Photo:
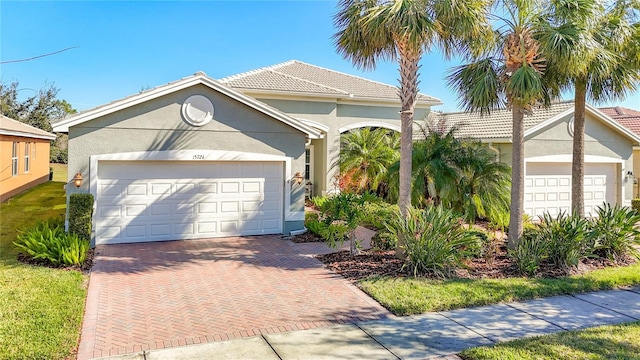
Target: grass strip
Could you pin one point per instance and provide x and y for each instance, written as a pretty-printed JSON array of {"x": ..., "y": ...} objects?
[
  {"x": 603, "y": 342},
  {"x": 408, "y": 296}
]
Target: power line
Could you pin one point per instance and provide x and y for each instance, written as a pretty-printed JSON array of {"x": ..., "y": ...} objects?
[{"x": 37, "y": 57}]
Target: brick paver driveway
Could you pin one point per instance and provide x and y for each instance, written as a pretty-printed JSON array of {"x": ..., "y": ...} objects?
[{"x": 156, "y": 295}]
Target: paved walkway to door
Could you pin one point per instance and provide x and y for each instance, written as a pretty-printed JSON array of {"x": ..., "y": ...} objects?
[{"x": 157, "y": 295}]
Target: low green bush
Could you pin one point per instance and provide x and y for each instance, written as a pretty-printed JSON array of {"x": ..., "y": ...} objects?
[
  {"x": 314, "y": 225},
  {"x": 635, "y": 204},
  {"x": 529, "y": 253},
  {"x": 614, "y": 232},
  {"x": 567, "y": 239},
  {"x": 48, "y": 242},
  {"x": 433, "y": 239},
  {"x": 80, "y": 212}
]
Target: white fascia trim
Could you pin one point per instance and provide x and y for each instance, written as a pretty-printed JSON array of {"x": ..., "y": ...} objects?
[
  {"x": 338, "y": 98},
  {"x": 369, "y": 124},
  {"x": 568, "y": 158},
  {"x": 317, "y": 125},
  {"x": 197, "y": 156},
  {"x": 63, "y": 126},
  {"x": 547, "y": 123},
  {"x": 27, "y": 135}
]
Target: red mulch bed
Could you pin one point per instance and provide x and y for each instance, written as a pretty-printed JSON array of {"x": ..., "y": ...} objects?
[
  {"x": 384, "y": 263},
  {"x": 306, "y": 237}
]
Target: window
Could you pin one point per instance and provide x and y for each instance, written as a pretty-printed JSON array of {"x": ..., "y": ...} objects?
[
  {"x": 14, "y": 159},
  {"x": 307, "y": 164},
  {"x": 27, "y": 154}
]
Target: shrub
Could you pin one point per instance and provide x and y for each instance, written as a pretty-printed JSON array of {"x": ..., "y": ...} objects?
[
  {"x": 566, "y": 237},
  {"x": 434, "y": 239},
  {"x": 614, "y": 232},
  {"x": 319, "y": 201},
  {"x": 80, "y": 211},
  {"x": 635, "y": 204},
  {"x": 529, "y": 253},
  {"x": 314, "y": 225},
  {"x": 48, "y": 242},
  {"x": 342, "y": 214},
  {"x": 376, "y": 214}
]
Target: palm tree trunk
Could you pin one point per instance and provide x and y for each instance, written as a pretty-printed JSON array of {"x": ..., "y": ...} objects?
[
  {"x": 577, "y": 165},
  {"x": 517, "y": 178},
  {"x": 408, "y": 91}
]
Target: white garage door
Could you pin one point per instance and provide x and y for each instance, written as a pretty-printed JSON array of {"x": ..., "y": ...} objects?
[
  {"x": 162, "y": 200},
  {"x": 548, "y": 187}
]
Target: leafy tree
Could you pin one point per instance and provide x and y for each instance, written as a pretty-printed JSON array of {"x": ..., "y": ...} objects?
[
  {"x": 460, "y": 174},
  {"x": 402, "y": 30},
  {"x": 365, "y": 156},
  {"x": 509, "y": 73},
  {"x": 38, "y": 110},
  {"x": 594, "y": 50}
]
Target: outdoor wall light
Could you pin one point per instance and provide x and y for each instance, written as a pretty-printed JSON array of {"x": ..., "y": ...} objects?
[
  {"x": 77, "y": 180},
  {"x": 298, "y": 178}
]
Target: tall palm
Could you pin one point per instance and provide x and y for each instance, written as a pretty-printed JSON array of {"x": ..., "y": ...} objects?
[
  {"x": 366, "y": 154},
  {"x": 595, "y": 51},
  {"x": 509, "y": 73},
  {"x": 402, "y": 30}
]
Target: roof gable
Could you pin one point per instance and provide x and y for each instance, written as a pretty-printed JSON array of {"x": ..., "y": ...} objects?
[
  {"x": 628, "y": 118},
  {"x": 296, "y": 77},
  {"x": 199, "y": 78},
  {"x": 11, "y": 127},
  {"x": 498, "y": 124}
]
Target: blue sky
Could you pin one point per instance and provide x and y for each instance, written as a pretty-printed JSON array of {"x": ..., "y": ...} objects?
[{"x": 125, "y": 46}]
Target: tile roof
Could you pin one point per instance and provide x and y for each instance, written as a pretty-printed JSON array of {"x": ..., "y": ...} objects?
[
  {"x": 628, "y": 118},
  {"x": 298, "y": 77},
  {"x": 8, "y": 126},
  {"x": 498, "y": 124}
]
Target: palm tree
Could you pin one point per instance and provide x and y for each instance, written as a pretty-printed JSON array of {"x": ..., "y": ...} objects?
[
  {"x": 482, "y": 187},
  {"x": 509, "y": 73},
  {"x": 366, "y": 154},
  {"x": 594, "y": 51},
  {"x": 402, "y": 30}
]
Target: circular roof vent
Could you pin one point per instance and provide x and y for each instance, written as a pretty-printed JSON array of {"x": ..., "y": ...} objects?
[{"x": 197, "y": 110}]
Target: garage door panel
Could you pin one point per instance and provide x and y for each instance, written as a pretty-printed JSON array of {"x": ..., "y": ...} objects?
[
  {"x": 548, "y": 187},
  {"x": 226, "y": 204}
]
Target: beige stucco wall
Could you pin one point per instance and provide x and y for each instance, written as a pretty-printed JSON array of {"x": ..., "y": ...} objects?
[
  {"x": 600, "y": 140},
  {"x": 337, "y": 115},
  {"x": 38, "y": 165},
  {"x": 157, "y": 125}
]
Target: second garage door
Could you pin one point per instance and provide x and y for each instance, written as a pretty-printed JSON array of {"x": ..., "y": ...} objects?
[
  {"x": 548, "y": 187},
  {"x": 164, "y": 200}
]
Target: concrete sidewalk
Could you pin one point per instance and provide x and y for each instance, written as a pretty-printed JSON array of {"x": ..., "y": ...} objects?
[{"x": 432, "y": 335}]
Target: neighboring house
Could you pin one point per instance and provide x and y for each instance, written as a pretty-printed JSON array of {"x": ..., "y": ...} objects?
[
  {"x": 630, "y": 119},
  {"x": 205, "y": 158},
  {"x": 548, "y": 154},
  {"x": 24, "y": 157}
]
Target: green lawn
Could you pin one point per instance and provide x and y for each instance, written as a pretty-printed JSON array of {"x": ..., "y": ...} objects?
[
  {"x": 605, "y": 342},
  {"x": 59, "y": 172},
  {"x": 40, "y": 308},
  {"x": 407, "y": 296}
]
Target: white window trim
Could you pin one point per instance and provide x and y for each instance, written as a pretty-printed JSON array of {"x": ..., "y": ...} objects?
[
  {"x": 311, "y": 161},
  {"x": 27, "y": 157},
  {"x": 196, "y": 155},
  {"x": 14, "y": 158}
]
